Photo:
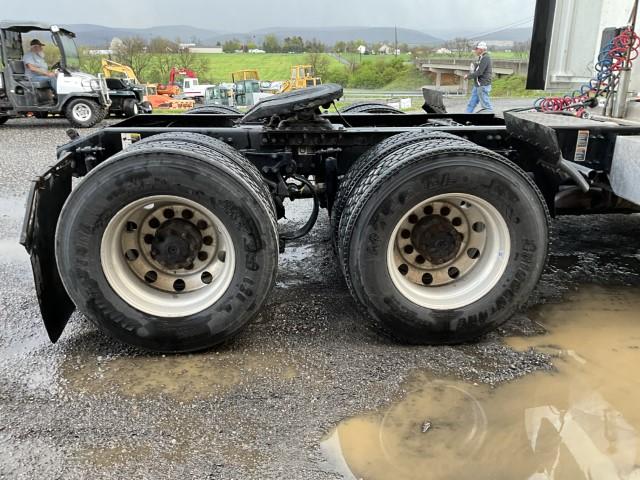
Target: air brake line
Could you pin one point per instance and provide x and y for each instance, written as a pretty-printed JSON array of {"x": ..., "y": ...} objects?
[{"x": 617, "y": 55}]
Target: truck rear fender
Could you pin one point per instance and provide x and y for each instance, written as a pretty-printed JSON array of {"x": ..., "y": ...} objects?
[{"x": 44, "y": 204}]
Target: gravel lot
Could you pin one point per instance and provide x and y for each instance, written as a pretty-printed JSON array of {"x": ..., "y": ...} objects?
[{"x": 257, "y": 407}]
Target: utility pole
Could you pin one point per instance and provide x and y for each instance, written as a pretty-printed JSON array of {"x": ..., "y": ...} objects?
[{"x": 395, "y": 50}]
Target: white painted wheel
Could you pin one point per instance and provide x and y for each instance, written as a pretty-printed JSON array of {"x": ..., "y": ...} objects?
[
  {"x": 167, "y": 256},
  {"x": 448, "y": 251},
  {"x": 82, "y": 112}
]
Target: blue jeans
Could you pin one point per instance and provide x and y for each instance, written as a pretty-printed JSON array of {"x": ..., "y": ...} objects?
[
  {"x": 480, "y": 95},
  {"x": 44, "y": 78}
]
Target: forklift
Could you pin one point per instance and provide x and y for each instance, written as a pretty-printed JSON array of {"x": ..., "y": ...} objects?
[{"x": 82, "y": 98}]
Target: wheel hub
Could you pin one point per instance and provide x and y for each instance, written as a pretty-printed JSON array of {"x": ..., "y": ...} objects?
[
  {"x": 167, "y": 255},
  {"x": 448, "y": 251},
  {"x": 436, "y": 239},
  {"x": 176, "y": 244}
]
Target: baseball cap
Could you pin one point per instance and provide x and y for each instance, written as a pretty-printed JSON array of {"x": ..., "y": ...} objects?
[
  {"x": 482, "y": 45},
  {"x": 35, "y": 41}
]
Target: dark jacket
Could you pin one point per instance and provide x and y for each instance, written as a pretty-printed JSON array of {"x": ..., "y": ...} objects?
[{"x": 483, "y": 71}]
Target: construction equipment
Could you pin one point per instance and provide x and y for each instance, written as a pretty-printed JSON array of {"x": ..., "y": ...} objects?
[
  {"x": 82, "y": 98},
  {"x": 246, "y": 88},
  {"x": 219, "y": 95},
  {"x": 440, "y": 221},
  {"x": 166, "y": 102},
  {"x": 174, "y": 87},
  {"x": 242, "y": 75},
  {"x": 184, "y": 81},
  {"x": 151, "y": 97},
  {"x": 128, "y": 95},
  {"x": 302, "y": 76},
  {"x": 112, "y": 69}
]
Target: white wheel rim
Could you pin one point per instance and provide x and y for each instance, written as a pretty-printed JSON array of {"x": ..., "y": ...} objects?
[
  {"x": 81, "y": 112},
  {"x": 476, "y": 243},
  {"x": 131, "y": 246},
  {"x": 135, "y": 109}
]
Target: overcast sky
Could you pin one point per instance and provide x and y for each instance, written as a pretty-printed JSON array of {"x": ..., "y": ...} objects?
[{"x": 431, "y": 16}]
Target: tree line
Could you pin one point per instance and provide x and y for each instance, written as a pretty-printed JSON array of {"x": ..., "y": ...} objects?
[{"x": 152, "y": 60}]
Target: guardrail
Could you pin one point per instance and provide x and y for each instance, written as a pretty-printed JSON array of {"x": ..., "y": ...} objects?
[
  {"x": 518, "y": 67},
  {"x": 461, "y": 66}
]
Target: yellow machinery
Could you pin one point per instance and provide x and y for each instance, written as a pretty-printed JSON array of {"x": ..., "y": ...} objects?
[
  {"x": 242, "y": 75},
  {"x": 302, "y": 76},
  {"x": 112, "y": 69}
]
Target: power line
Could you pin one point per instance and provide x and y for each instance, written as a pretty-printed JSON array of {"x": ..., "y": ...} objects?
[{"x": 504, "y": 27}]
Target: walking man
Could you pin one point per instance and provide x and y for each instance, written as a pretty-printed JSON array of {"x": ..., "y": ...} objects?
[{"x": 481, "y": 76}]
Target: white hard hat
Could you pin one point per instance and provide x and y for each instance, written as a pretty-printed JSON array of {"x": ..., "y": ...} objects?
[{"x": 482, "y": 45}]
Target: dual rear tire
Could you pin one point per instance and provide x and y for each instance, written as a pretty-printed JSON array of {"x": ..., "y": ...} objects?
[
  {"x": 440, "y": 240},
  {"x": 169, "y": 245},
  {"x": 172, "y": 244}
]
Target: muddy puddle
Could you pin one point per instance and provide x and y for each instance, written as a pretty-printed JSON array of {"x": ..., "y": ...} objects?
[
  {"x": 183, "y": 377},
  {"x": 581, "y": 421}
]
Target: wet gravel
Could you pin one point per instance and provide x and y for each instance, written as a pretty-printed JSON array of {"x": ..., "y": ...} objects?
[{"x": 257, "y": 407}]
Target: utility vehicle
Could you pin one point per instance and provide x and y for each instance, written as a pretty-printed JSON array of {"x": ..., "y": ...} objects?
[{"x": 82, "y": 98}]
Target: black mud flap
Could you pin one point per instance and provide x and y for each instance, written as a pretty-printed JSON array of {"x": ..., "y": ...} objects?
[
  {"x": 433, "y": 101},
  {"x": 46, "y": 198}
]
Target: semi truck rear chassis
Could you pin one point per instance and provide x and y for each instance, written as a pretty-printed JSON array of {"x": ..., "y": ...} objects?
[{"x": 440, "y": 222}]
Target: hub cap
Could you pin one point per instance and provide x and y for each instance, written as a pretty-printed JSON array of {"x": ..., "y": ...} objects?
[
  {"x": 82, "y": 112},
  {"x": 448, "y": 251},
  {"x": 167, "y": 256}
]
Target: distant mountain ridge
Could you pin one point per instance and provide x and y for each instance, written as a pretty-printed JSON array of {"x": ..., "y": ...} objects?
[{"x": 100, "y": 36}]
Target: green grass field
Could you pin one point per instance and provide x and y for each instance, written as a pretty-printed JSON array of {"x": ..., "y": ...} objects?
[
  {"x": 270, "y": 66},
  {"x": 276, "y": 66},
  {"x": 357, "y": 58}
]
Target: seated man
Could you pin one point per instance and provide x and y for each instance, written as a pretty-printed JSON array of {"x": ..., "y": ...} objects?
[{"x": 35, "y": 66}]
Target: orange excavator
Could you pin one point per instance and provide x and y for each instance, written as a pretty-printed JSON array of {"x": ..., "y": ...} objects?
[{"x": 173, "y": 87}]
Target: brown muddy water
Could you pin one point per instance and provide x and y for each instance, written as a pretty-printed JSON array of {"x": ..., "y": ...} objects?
[
  {"x": 182, "y": 377},
  {"x": 581, "y": 420}
]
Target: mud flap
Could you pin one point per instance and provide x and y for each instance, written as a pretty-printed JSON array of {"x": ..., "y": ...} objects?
[
  {"x": 433, "y": 101},
  {"x": 46, "y": 198}
]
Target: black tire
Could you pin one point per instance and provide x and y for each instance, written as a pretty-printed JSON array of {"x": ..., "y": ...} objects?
[
  {"x": 370, "y": 107},
  {"x": 368, "y": 160},
  {"x": 130, "y": 108},
  {"x": 214, "y": 110},
  {"x": 218, "y": 147},
  {"x": 189, "y": 171},
  {"x": 3, "y": 120},
  {"x": 84, "y": 112},
  {"x": 392, "y": 191},
  {"x": 146, "y": 107}
]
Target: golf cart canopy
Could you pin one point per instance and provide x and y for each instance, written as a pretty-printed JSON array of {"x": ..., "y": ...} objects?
[{"x": 24, "y": 27}]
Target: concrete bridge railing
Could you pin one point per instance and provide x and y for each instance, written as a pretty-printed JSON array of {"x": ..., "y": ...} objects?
[{"x": 461, "y": 66}]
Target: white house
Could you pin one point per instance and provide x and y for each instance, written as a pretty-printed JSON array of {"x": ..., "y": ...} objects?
[
  {"x": 385, "y": 49},
  {"x": 205, "y": 49},
  {"x": 362, "y": 49}
]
